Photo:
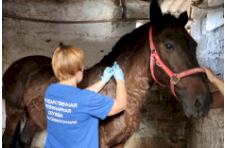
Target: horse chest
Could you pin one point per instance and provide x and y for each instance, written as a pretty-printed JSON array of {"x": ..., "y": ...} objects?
[{"x": 119, "y": 128}]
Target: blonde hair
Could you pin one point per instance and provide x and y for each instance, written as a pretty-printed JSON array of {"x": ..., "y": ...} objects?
[{"x": 67, "y": 61}]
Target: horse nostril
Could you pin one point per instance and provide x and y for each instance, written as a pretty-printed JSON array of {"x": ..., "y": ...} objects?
[{"x": 198, "y": 104}]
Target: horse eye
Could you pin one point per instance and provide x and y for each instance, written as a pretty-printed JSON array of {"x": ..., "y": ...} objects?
[{"x": 169, "y": 46}]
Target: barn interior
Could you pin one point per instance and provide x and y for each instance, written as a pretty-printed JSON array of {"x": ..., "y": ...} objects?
[{"x": 38, "y": 27}]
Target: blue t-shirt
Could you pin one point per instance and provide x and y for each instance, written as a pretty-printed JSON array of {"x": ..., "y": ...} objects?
[{"x": 73, "y": 116}]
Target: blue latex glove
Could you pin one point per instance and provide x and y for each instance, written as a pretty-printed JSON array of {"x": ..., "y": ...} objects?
[
  {"x": 107, "y": 74},
  {"x": 118, "y": 73}
]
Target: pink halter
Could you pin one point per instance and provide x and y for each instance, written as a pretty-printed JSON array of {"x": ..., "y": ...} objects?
[{"x": 174, "y": 77}]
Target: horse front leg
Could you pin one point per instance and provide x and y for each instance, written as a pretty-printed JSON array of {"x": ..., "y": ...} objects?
[
  {"x": 28, "y": 133},
  {"x": 13, "y": 116}
]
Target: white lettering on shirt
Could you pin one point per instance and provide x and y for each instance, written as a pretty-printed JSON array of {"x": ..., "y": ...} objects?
[
  {"x": 55, "y": 114},
  {"x": 60, "y": 103},
  {"x": 57, "y": 109}
]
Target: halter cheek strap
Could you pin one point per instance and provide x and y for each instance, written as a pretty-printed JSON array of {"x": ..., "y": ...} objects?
[{"x": 174, "y": 77}]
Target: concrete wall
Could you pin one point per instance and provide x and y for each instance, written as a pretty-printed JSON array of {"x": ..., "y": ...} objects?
[
  {"x": 208, "y": 30},
  {"x": 89, "y": 25},
  {"x": 160, "y": 125},
  {"x": 23, "y": 38}
]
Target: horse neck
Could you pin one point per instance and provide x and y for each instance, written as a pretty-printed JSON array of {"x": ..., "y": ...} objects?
[
  {"x": 138, "y": 81},
  {"x": 136, "y": 73},
  {"x": 54, "y": 79}
]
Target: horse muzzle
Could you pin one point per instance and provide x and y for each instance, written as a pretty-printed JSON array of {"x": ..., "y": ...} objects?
[{"x": 199, "y": 106}]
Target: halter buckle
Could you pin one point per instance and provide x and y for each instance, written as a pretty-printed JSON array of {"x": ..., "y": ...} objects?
[{"x": 175, "y": 79}]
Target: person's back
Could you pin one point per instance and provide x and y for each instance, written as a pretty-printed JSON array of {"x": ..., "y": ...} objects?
[{"x": 74, "y": 113}]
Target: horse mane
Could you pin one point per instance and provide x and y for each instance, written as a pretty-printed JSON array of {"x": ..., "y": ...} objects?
[
  {"x": 122, "y": 52},
  {"x": 129, "y": 45},
  {"x": 125, "y": 47}
]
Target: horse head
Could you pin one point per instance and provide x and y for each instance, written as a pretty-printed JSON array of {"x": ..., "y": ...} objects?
[{"x": 176, "y": 49}]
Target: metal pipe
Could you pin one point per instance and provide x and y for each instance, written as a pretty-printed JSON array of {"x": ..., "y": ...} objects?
[{"x": 71, "y": 22}]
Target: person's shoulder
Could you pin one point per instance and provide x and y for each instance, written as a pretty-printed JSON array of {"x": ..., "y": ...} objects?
[{"x": 56, "y": 88}]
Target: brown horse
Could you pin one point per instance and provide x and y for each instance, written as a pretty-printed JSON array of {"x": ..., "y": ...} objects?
[{"x": 25, "y": 81}]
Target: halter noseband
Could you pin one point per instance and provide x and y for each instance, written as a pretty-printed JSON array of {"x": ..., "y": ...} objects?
[{"x": 174, "y": 77}]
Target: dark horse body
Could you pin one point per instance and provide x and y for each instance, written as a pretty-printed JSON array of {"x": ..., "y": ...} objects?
[{"x": 25, "y": 81}]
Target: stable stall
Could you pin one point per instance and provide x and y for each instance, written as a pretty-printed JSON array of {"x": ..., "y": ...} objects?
[{"x": 38, "y": 27}]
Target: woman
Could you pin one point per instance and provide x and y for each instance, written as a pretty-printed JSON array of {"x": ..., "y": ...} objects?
[{"x": 73, "y": 114}]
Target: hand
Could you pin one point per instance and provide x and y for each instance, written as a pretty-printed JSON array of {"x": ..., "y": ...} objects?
[
  {"x": 118, "y": 73},
  {"x": 210, "y": 75},
  {"x": 107, "y": 74}
]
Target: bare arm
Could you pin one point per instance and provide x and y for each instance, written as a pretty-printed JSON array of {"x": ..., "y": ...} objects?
[
  {"x": 120, "y": 102},
  {"x": 218, "y": 83},
  {"x": 218, "y": 100},
  {"x": 97, "y": 86},
  {"x": 218, "y": 96}
]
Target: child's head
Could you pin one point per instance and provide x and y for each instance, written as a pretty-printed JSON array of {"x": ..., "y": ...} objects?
[{"x": 67, "y": 61}]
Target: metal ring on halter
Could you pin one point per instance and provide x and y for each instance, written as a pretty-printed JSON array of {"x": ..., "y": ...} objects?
[
  {"x": 175, "y": 79},
  {"x": 153, "y": 52}
]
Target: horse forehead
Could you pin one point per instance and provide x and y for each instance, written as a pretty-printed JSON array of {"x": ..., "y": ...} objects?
[
  {"x": 179, "y": 34},
  {"x": 175, "y": 31}
]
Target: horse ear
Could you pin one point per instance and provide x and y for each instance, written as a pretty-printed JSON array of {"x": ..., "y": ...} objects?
[
  {"x": 155, "y": 12},
  {"x": 183, "y": 18}
]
